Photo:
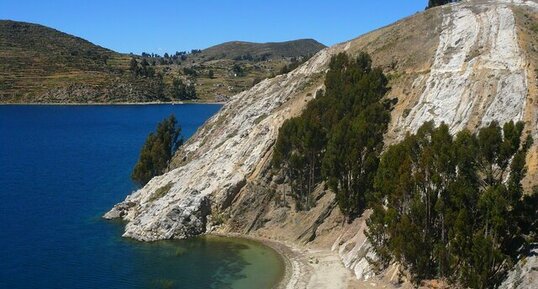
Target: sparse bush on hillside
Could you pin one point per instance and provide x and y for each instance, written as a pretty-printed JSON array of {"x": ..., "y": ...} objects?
[
  {"x": 238, "y": 70},
  {"x": 190, "y": 71},
  {"x": 246, "y": 57},
  {"x": 294, "y": 64},
  {"x": 144, "y": 69},
  {"x": 133, "y": 66},
  {"x": 181, "y": 91}
]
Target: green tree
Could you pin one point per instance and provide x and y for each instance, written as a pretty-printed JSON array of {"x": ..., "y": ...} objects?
[
  {"x": 238, "y": 70},
  {"x": 157, "y": 151},
  {"x": 190, "y": 91},
  {"x": 356, "y": 139},
  {"x": 339, "y": 136},
  {"x": 299, "y": 152},
  {"x": 146, "y": 69},
  {"x": 159, "y": 85},
  {"x": 453, "y": 207},
  {"x": 178, "y": 89},
  {"x": 181, "y": 91},
  {"x": 190, "y": 71}
]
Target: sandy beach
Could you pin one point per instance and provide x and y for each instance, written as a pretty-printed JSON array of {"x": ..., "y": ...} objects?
[{"x": 307, "y": 268}]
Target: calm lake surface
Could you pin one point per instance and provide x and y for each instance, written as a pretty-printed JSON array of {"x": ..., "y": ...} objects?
[{"x": 62, "y": 167}]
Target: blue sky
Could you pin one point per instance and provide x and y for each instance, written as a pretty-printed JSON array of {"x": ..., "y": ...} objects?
[{"x": 169, "y": 26}]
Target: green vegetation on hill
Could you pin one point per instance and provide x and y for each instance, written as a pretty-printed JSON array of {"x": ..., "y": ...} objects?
[
  {"x": 294, "y": 64},
  {"x": 453, "y": 207},
  {"x": 339, "y": 136},
  {"x": 157, "y": 151},
  {"x": 40, "y": 64},
  {"x": 448, "y": 207},
  {"x": 57, "y": 50},
  {"x": 224, "y": 70}
]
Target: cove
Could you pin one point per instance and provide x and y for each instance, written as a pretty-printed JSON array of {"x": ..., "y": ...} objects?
[{"x": 62, "y": 167}]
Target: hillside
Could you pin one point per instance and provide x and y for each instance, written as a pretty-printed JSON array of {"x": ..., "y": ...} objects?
[
  {"x": 39, "y": 64},
  {"x": 224, "y": 70},
  {"x": 272, "y": 50},
  {"x": 464, "y": 64}
]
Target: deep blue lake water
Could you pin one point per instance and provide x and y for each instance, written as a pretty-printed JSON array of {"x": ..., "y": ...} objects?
[{"x": 62, "y": 167}]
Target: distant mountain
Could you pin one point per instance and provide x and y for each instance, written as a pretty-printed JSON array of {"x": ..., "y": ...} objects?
[
  {"x": 39, "y": 64},
  {"x": 238, "y": 49}
]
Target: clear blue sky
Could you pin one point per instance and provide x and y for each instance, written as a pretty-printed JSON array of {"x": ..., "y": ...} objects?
[{"x": 169, "y": 26}]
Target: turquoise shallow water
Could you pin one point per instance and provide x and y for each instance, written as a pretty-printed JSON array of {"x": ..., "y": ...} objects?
[{"x": 62, "y": 167}]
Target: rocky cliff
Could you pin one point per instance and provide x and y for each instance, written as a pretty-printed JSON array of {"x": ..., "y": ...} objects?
[
  {"x": 214, "y": 165},
  {"x": 464, "y": 64}
]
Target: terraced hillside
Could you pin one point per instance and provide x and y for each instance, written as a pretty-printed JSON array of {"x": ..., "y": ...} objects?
[{"x": 39, "y": 64}]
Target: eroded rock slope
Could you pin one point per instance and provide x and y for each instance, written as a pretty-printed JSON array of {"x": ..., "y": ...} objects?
[{"x": 219, "y": 158}]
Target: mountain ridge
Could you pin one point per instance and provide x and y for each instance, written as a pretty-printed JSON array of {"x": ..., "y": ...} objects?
[{"x": 291, "y": 48}]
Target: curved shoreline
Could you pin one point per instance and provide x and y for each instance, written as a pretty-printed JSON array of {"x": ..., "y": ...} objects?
[
  {"x": 281, "y": 250},
  {"x": 306, "y": 268}
]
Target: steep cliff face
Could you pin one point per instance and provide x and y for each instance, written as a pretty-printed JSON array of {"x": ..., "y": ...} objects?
[{"x": 465, "y": 64}]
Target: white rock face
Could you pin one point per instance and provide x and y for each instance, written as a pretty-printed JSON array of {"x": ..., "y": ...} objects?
[
  {"x": 444, "y": 89},
  {"x": 525, "y": 273},
  {"x": 222, "y": 155},
  {"x": 355, "y": 253},
  {"x": 529, "y": 3},
  {"x": 478, "y": 74}
]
